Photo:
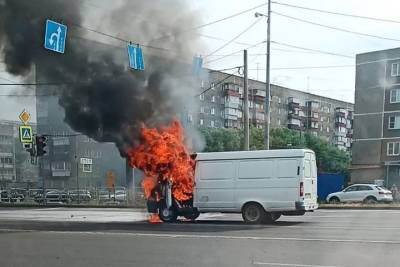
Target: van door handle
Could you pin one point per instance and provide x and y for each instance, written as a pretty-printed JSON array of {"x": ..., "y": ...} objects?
[{"x": 298, "y": 170}]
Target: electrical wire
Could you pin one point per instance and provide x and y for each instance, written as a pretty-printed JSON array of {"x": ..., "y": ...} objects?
[
  {"x": 233, "y": 39},
  {"x": 208, "y": 23},
  {"x": 231, "y": 54},
  {"x": 310, "y": 67},
  {"x": 216, "y": 84},
  {"x": 336, "y": 28},
  {"x": 313, "y": 50},
  {"x": 336, "y": 13}
]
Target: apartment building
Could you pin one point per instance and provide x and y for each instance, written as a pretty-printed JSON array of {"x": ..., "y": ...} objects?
[
  {"x": 15, "y": 163},
  {"x": 220, "y": 104},
  {"x": 376, "y": 148}
]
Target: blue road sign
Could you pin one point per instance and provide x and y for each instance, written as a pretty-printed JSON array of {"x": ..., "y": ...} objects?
[
  {"x": 55, "y": 35},
  {"x": 197, "y": 64},
  {"x": 135, "y": 55}
]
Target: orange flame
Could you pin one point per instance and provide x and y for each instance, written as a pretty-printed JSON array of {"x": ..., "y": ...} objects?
[
  {"x": 154, "y": 218},
  {"x": 163, "y": 156}
]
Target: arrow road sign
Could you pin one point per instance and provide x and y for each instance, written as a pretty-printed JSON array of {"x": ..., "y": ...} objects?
[
  {"x": 54, "y": 38},
  {"x": 25, "y": 134},
  {"x": 135, "y": 55},
  {"x": 197, "y": 65}
]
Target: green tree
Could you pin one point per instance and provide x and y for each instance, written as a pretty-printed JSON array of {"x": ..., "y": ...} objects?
[{"x": 329, "y": 158}]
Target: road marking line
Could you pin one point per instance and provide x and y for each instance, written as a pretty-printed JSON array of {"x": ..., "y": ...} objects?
[
  {"x": 290, "y": 264},
  {"x": 212, "y": 236}
]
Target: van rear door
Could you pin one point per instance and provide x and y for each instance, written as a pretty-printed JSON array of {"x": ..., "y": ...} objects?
[{"x": 308, "y": 182}]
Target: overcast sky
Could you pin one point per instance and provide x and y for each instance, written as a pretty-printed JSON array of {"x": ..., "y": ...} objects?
[{"x": 335, "y": 82}]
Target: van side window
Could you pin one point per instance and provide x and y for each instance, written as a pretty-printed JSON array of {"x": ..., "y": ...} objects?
[
  {"x": 307, "y": 168},
  {"x": 287, "y": 168}
]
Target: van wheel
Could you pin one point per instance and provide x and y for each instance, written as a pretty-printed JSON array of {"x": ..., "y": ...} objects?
[
  {"x": 167, "y": 214},
  {"x": 271, "y": 217},
  {"x": 192, "y": 216},
  {"x": 253, "y": 213}
]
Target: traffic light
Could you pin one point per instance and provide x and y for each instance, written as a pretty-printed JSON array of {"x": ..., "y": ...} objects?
[{"x": 40, "y": 145}]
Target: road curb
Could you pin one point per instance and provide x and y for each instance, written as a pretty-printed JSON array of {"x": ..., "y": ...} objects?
[
  {"x": 358, "y": 207},
  {"x": 36, "y": 206}
]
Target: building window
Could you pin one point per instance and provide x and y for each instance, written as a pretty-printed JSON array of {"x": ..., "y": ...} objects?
[
  {"x": 327, "y": 129},
  {"x": 212, "y": 111},
  {"x": 212, "y": 86},
  {"x": 222, "y": 113},
  {"x": 279, "y": 100},
  {"x": 393, "y": 148},
  {"x": 395, "y": 69},
  {"x": 279, "y": 122},
  {"x": 201, "y": 122},
  {"x": 201, "y": 97},
  {"x": 201, "y": 109},
  {"x": 213, "y": 98},
  {"x": 279, "y": 111},
  {"x": 329, "y": 120},
  {"x": 395, "y": 96},
  {"x": 202, "y": 84},
  {"x": 394, "y": 122},
  {"x": 190, "y": 118},
  {"x": 212, "y": 123},
  {"x": 322, "y": 119}
]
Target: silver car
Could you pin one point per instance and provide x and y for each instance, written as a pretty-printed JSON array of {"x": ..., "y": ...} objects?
[{"x": 367, "y": 193}]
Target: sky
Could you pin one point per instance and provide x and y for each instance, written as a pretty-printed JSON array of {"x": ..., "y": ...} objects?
[{"x": 336, "y": 77}]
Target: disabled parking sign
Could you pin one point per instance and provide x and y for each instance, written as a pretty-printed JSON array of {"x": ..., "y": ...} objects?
[{"x": 55, "y": 35}]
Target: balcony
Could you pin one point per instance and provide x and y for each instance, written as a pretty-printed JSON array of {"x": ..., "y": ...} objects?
[
  {"x": 294, "y": 127},
  {"x": 312, "y": 105},
  {"x": 340, "y": 124},
  {"x": 313, "y": 125},
  {"x": 293, "y": 116}
]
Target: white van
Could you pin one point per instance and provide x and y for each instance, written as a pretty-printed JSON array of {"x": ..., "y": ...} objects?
[{"x": 262, "y": 185}]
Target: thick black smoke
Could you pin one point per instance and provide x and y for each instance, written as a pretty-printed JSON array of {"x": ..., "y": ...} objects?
[{"x": 101, "y": 97}]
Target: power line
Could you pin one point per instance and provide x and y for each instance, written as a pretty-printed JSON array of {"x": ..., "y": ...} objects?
[
  {"x": 337, "y": 13},
  {"x": 313, "y": 50},
  {"x": 118, "y": 38},
  {"x": 208, "y": 23},
  {"x": 233, "y": 53},
  {"x": 220, "y": 82},
  {"x": 336, "y": 28},
  {"x": 233, "y": 39},
  {"x": 310, "y": 67}
]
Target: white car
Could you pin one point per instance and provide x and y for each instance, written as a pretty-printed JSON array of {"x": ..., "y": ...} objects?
[{"x": 367, "y": 193}]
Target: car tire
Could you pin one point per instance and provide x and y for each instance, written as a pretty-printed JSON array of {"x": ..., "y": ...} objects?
[
  {"x": 253, "y": 213},
  {"x": 271, "y": 217},
  {"x": 370, "y": 200},
  {"x": 192, "y": 216},
  {"x": 167, "y": 214},
  {"x": 334, "y": 200}
]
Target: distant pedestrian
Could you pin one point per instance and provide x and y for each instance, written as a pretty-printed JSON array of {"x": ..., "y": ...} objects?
[{"x": 395, "y": 193}]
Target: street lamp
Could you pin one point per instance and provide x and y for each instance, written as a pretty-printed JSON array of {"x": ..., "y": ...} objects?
[{"x": 267, "y": 83}]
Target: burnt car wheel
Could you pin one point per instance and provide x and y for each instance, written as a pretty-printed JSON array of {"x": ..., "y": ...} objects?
[{"x": 167, "y": 214}]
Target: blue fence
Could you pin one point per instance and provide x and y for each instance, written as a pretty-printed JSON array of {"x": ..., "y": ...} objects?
[{"x": 329, "y": 183}]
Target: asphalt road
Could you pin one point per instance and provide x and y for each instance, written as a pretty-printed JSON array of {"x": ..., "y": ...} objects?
[{"x": 120, "y": 237}]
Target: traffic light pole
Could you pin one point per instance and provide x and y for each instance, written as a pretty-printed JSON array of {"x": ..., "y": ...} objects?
[{"x": 77, "y": 168}]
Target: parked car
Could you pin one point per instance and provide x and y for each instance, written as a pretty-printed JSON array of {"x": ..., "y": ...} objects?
[
  {"x": 109, "y": 196},
  {"x": 55, "y": 196},
  {"x": 367, "y": 193},
  {"x": 84, "y": 195},
  {"x": 11, "y": 196}
]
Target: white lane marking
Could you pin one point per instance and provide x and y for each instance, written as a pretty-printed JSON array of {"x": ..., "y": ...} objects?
[
  {"x": 290, "y": 264},
  {"x": 394, "y": 242}
]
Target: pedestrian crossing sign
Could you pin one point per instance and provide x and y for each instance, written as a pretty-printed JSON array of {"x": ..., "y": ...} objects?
[{"x": 25, "y": 134}]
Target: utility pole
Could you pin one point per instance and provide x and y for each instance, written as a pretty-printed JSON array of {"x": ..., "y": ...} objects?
[
  {"x": 268, "y": 85},
  {"x": 246, "y": 103}
]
